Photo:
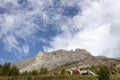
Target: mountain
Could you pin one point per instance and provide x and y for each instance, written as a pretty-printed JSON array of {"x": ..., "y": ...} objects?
[{"x": 63, "y": 58}]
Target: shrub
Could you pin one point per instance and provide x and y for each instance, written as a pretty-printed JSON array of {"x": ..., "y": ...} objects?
[
  {"x": 29, "y": 78},
  {"x": 62, "y": 72},
  {"x": 104, "y": 73}
]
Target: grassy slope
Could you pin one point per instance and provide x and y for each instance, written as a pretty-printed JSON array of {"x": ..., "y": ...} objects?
[{"x": 113, "y": 77}]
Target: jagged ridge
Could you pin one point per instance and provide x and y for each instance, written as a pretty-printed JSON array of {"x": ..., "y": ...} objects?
[{"x": 54, "y": 59}]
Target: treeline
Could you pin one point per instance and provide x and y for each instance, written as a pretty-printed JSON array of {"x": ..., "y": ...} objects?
[{"x": 8, "y": 70}]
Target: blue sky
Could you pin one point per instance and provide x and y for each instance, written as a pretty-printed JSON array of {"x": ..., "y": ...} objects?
[{"x": 30, "y": 26}]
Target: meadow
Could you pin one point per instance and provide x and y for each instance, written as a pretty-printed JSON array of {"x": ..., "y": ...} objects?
[{"x": 73, "y": 77}]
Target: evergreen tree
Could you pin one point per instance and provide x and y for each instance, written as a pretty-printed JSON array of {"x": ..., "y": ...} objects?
[
  {"x": 25, "y": 73},
  {"x": 14, "y": 71},
  {"x": 34, "y": 72},
  {"x": 1, "y": 70},
  {"x": 45, "y": 70},
  {"x": 42, "y": 70},
  {"x": 104, "y": 73},
  {"x": 6, "y": 69}
]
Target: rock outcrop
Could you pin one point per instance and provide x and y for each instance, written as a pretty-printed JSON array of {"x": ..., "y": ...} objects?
[{"x": 54, "y": 59}]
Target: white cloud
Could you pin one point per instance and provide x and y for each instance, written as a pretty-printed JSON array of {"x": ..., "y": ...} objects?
[
  {"x": 10, "y": 43},
  {"x": 42, "y": 40},
  {"x": 7, "y": 22},
  {"x": 26, "y": 49},
  {"x": 99, "y": 30}
]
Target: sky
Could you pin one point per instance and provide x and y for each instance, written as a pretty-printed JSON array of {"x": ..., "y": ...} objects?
[{"x": 30, "y": 26}]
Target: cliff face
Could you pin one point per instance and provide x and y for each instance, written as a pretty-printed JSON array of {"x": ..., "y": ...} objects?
[{"x": 51, "y": 60}]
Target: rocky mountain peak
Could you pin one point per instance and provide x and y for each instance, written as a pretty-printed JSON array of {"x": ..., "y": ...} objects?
[
  {"x": 54, "y": 59},
  {"x": 82, "y": 51},
  {"x": 39, "y": 56}
]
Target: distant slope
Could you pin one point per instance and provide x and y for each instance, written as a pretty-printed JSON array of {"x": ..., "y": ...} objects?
[{"x": 54, "y": 59}]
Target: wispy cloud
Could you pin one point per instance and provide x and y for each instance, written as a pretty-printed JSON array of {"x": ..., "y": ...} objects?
[
  {"x": 26, "y": 49},
  {"x": 18, "y": 22},
  {"x": 11, "y": 43}
]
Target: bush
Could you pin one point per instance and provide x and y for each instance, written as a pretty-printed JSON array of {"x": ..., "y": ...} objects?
[
  {"x": 104, "y": 73},
  {"x": 63, "y": 72},
  {"x": 29, "y": 78}
]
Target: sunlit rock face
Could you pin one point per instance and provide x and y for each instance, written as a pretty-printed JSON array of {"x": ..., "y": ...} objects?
[{"x": 39, "y": 57}]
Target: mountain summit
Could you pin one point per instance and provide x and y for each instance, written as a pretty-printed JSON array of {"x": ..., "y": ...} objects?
[{"x": 54, "y": 59}]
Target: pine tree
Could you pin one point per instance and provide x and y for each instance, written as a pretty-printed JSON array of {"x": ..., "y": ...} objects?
[
  {"x": 45, "y": 70},
  {"x": 6, "y": 69},
  {"x": 14, "y": 71},
  {"x": 34, "y": 72},
  {"x": 42, "y": 70},
  {"x": 1, "y": 70}
]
